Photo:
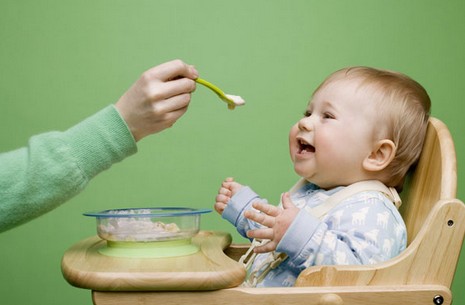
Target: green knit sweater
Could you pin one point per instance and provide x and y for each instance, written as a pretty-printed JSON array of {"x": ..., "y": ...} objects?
[{"x": 56, "y": 166}]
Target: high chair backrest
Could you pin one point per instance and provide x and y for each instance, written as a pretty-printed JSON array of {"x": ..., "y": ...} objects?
[{"x": 434, "y": 178}]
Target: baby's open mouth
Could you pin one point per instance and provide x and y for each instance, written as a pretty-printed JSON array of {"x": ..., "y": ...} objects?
[{"x": 305, "y": 147}]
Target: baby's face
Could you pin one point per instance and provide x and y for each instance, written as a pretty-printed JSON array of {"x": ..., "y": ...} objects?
[{"x": 329, "y": 144}]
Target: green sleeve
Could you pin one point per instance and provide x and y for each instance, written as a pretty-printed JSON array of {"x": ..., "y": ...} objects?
[{"x": 56, "y": 166}]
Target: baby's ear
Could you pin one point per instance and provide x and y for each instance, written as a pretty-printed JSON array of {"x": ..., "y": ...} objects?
[{"x": 383, "y": 153}]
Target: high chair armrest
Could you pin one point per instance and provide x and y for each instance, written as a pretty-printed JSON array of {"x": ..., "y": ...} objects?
[{"x": 235, "y": 251}]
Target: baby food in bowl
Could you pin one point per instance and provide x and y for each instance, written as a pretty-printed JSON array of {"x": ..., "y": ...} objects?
[{"x": 148, "y": 232}]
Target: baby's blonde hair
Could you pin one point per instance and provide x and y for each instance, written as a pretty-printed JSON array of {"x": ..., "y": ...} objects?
[{"x": 402, "y": 104}]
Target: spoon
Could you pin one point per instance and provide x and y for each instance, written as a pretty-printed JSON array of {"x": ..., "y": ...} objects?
[{"x": 231, "y": 100}]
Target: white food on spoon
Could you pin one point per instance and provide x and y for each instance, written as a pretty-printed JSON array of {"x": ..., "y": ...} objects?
[{"x": 238, "y": 101}]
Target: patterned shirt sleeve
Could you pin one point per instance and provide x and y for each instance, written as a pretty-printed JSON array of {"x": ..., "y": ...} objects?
[
  {"x": 239, "y": 203},
  {"x": 363, "y": 229}
]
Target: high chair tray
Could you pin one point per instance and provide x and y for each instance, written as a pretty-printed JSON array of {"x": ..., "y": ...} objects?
[{"x": 208, "y": 269}]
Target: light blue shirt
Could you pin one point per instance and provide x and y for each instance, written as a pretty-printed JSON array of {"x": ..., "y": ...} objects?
[{"x": 363, "y": 229}]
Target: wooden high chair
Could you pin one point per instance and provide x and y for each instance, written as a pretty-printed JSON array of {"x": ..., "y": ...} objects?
[{"x": 422, "y": 274}]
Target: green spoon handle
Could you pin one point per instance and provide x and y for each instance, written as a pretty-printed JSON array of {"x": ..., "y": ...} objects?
[{"x": 211, "y": 86}]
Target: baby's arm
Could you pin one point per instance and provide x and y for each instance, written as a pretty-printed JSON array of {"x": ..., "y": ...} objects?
[
  {"x": 232, "y": 201},
  {"x": 366, "y": 230}
]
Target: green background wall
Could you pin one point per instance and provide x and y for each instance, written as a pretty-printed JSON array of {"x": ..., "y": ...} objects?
[{"x": 61, "y": 61}]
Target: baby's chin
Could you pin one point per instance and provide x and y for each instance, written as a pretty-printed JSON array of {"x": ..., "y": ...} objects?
[
  {"x": 303, "y": 175},
  {"x": 327, "y": 185}
]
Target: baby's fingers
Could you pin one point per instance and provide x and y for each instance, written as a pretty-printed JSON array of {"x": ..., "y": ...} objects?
[
  {"x": 287, "y": 201},
  {"x": 268, "y": 247},
  {"x": 260, "y": 218},
  {"x": 265, "y": 233},
  {"x": 219, "y": 207},
  {"x": 266, "y": 208},
  {"x": 225, "y": 191},
  {"x": 222, "y": 198}
]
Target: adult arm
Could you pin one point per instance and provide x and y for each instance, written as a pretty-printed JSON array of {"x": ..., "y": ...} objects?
[{"x": 56, "y": 166}]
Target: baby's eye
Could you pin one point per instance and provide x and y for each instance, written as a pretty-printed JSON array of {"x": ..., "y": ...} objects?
[
  {"x": 328, "y": 115},
  {"x": 307, "y": 113}
]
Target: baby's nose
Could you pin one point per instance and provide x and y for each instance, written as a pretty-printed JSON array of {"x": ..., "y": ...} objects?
[{"x": 306, "y": 124}]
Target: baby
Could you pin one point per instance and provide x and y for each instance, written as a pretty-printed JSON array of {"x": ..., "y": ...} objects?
[{"x": 361, "y": 132}]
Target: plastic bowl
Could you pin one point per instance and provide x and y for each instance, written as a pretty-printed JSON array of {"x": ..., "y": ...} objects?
[{"x": 147, "y": 224}]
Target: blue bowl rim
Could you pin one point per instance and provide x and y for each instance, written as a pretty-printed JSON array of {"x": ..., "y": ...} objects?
[{"x": 161, "y": 212}]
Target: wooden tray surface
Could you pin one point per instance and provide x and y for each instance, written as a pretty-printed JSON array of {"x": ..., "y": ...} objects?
[{"x": 208, "y": 269}]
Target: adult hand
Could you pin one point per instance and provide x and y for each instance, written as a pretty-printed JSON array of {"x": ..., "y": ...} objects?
[
  {"x": 158, "y": 98},
  {"x": 275, "y": 219}
]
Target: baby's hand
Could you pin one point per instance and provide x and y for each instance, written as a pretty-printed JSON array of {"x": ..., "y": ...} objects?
[
  {"x": 276, "y": 220},
  {"x": 228, "y": 188}
]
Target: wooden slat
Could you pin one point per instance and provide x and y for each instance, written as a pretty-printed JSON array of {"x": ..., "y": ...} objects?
[{"x": 384, "y": 295}]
